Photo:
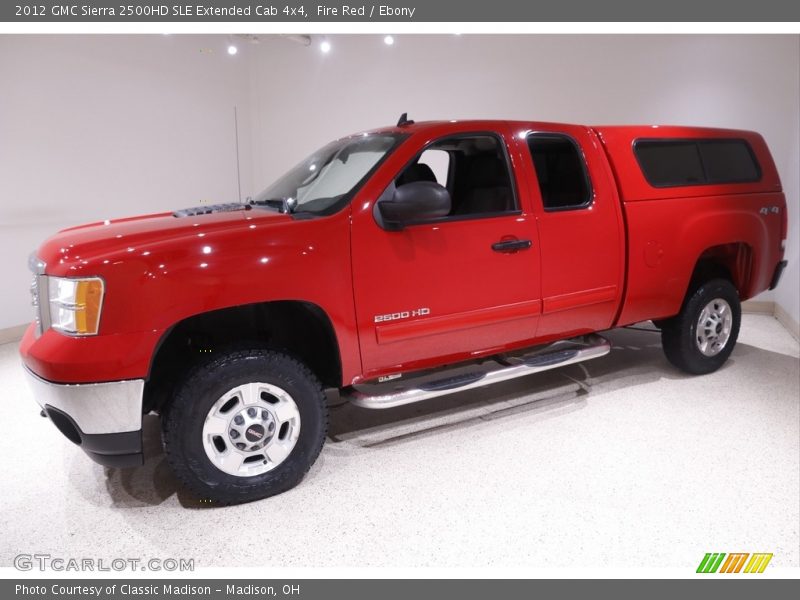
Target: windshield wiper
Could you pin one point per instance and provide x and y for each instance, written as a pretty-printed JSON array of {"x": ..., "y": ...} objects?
[{"x": 284, "y": 205}]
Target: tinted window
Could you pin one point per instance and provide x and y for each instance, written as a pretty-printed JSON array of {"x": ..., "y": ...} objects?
[
  {"x": 474, "y": 169},
  {"x": 439, "y": 162},
  {"x": 729, "y": 161},
  {"x": 559, "y": 166},
  {"x": 669, "y": 163}
]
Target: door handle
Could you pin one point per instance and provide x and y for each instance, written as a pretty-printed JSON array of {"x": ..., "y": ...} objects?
[{"x": 511, "y": 245}]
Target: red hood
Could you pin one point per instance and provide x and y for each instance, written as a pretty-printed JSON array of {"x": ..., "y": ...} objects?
[{"x": 77, "y": 248}]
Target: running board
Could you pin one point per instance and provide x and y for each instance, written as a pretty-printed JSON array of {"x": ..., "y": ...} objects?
[{"x": 559, "y": 354}]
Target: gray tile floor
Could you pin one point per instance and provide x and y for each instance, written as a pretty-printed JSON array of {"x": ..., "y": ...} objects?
[{"x": 618, "y": 462}]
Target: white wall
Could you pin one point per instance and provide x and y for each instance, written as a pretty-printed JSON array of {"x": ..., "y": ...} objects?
[
  {"x": 99, "y": 126},
  {"x": 787, "y": 292},
  {"x": 95, "y": 127},
  {"x": 302, "y": 98}
]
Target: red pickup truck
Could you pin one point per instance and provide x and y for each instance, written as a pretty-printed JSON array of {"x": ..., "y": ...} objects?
[{"x": 395, "y": 265}]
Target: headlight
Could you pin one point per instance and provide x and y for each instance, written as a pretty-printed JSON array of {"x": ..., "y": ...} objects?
[{"x": 75, "y": 304}]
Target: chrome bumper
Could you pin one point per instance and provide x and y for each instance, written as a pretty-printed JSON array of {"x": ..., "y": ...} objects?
[
  {"x": 112, "y": 407},
  {"x": 104, "y": 419}
]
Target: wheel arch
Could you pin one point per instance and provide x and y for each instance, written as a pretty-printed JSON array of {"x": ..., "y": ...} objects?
[
  {"x": 299, "y": 328},
  {"x": 732, "y": 261}
]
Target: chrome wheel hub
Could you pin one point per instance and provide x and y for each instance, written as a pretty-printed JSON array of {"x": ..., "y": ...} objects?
[
  {"x": 714, "y": 327},
  {"x": 251, "y": 429}
]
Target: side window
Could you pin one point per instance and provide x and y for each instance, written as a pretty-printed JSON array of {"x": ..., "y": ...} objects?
[
  {"x": 439, "y": 163},
  {"x": 729, "y": 161},
  {"x": 672, "y": 163},
  {"x": 560, "y": 170},
  {"x": 667, "y": 164},
  {"x": 473, "y": 167}
]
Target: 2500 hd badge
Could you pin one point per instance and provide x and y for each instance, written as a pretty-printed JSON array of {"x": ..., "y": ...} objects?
[{"x": 405, "y": 314}]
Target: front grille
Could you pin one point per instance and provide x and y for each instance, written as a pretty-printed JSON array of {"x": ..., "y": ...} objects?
[{"x": 38, "y": 288}]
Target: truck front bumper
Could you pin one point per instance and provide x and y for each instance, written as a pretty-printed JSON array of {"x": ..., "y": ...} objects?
[{"x": 104, "y": 419}]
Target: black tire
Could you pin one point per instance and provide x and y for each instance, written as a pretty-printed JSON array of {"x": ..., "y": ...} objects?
[
  {"x": 183, "y": 421},
  {"x": 679, "y": 334}
]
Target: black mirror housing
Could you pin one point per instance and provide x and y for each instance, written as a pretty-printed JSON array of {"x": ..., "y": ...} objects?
[{"x": 413, "y": 202}]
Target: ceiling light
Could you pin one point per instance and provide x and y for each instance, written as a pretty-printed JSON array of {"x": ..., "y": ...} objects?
[
  {"x": 388, "y": 40},
  {"x": 232, "y": 50},
  {"x": 325, "y": 46}
]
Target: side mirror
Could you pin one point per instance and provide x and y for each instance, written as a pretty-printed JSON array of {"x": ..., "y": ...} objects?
[{"x": 413, "y": 202}]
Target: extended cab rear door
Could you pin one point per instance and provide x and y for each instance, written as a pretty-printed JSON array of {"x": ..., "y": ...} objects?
[{"x": 581, "y": 234}]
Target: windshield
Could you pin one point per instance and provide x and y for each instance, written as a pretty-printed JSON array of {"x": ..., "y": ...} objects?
[{"x": 326, "y": 180}]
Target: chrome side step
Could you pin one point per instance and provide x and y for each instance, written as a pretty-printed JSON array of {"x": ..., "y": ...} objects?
[{"x": 397, "y": 393}]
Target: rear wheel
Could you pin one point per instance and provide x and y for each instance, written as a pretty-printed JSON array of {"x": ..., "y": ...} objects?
[
  {"x": 246, "y": 426},
  {"x": 701, "y": 337}
]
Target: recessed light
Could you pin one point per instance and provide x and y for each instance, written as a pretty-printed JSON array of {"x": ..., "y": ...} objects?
[
  {"x": 325, "y": 46},
  {"x": 388, "y": 40},
  {"x": 232, "y": 50}
]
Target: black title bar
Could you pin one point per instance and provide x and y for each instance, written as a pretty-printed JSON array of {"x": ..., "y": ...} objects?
[
  {"x": 344, "y": 589},
  {"x": 299, "y": 11}
]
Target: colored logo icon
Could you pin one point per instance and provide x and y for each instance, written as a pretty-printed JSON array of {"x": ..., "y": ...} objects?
[{"x": 737, "y": 562}]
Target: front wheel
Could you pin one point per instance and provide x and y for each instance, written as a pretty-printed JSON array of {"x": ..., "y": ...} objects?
[
  {"x": 246, "y": 426},
  {"x": 701, "y": 337}
]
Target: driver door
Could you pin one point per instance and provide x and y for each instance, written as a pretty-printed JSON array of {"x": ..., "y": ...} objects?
[{"x": 451, "y": 288}]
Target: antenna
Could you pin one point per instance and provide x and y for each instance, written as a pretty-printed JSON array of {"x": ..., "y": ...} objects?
[
  {"x": 404, "y": 120},
  {"x": 238, "y": 171}
]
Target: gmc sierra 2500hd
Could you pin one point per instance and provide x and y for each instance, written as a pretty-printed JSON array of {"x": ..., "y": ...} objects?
[{"x": 396, "y": 265}]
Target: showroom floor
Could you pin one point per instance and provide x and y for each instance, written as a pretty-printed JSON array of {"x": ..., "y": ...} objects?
[{"x": 620, "y": 462}]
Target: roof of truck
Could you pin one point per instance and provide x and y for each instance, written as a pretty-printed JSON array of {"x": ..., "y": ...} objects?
[
  {"x": 618, "y": 142},
  {"x": 663, "y": 129}
]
